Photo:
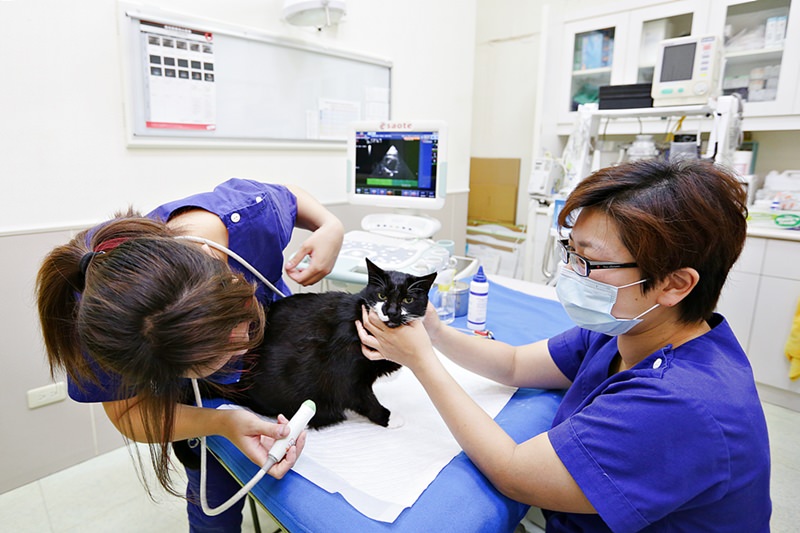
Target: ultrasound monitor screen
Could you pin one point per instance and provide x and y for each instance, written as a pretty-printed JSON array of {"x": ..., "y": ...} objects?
[{"x": 396, "y": 163}]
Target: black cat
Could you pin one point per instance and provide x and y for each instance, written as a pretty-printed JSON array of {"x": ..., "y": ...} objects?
[{"x": 311, "y": 349}]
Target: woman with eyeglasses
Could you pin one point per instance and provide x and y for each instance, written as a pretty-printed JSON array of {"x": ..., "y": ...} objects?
[{"x": 661, "y": 428}]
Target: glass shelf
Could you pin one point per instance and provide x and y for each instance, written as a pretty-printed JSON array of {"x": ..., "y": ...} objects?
[
  {"x": 759, "y": 54},
  {"x": 592, "y": 72}
]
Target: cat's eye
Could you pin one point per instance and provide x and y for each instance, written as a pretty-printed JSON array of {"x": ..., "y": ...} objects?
[
  {"x": 381, "y": 296},
  {"x": 408, "y": 300}
]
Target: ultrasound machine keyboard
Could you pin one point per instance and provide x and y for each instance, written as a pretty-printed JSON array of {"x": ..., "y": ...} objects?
[{"x": 413, "y": 256}]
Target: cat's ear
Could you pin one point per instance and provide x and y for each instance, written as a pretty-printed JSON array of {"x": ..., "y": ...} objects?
[
  {"x": 427, "y": 281},
  {"x": 374, "y": 272}
]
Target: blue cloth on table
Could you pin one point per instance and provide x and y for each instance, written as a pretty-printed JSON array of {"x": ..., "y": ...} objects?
[
  {"x": 460, "y": 498},
  {"x": 517, "y": 318}
]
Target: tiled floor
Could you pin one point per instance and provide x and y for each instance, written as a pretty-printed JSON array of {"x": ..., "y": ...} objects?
[
  {"x": 105, "y": 494},
  {"x": 97, "y": 496}
]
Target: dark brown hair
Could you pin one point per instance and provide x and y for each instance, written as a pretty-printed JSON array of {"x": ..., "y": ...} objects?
[
  {"x": 153, "y": 309},
  {"x": 671, "y": 215}
]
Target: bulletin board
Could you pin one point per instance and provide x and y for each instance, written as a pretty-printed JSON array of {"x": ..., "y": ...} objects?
[{"x": 197, "y": 80}]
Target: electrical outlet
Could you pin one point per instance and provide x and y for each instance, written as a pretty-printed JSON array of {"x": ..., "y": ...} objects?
[{"x": 55, "y": 392}]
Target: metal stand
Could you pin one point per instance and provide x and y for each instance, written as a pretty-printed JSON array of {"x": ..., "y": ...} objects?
[
  {"x": 724, "y": 138},
  {"x": 577, "y": 158}
]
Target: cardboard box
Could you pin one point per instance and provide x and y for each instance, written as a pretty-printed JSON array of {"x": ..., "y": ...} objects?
[
  {"x": 497, "y": 247},
  {"x": 493, "y": 185}
]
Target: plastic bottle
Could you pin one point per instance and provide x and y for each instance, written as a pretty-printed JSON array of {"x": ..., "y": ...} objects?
[
  {"x": 478, "y": 298},
  {"x": 444, "y": 296}
]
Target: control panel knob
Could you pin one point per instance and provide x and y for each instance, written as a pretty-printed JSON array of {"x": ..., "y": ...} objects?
[{"x": 700, "y": 87}]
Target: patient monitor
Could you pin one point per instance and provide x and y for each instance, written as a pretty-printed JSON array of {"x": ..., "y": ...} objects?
[{"x": 687, "y": 71}]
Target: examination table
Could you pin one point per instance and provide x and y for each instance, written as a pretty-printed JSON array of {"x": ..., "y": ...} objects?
[{"x": 460, "y": 499}]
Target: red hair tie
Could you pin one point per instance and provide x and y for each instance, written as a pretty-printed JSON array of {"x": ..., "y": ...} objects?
[{"x": 110, "y": 244}]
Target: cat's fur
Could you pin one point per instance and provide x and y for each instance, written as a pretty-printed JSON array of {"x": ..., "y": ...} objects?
[{"x": 311, "y": 350}]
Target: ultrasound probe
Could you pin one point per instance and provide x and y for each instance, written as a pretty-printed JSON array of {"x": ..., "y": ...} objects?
[{"x": 297, "y": 424}]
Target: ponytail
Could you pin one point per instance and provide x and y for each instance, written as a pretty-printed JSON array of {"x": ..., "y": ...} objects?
[
  {"x": 58, "y": 285},
  {"x": 61, "y": 280}
]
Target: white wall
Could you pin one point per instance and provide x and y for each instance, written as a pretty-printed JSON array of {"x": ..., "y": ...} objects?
[
  {"x": 63, "y": 138},
  {"x": 511, "y": 40},
  {"x": 507, "y": 49},
  {"x": 64, "y": 163}
]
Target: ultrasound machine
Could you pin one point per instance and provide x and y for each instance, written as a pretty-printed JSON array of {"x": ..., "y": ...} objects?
[{"x": 401, "y": 166}]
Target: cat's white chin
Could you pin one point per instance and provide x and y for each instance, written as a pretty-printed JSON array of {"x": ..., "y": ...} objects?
[{"x": 379, "y": 310}]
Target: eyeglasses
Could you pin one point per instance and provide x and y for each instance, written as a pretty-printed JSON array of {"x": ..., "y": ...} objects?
[{"x": 583, "y": 266}]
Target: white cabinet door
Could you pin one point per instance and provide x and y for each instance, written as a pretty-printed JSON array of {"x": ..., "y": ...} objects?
[
  {"x": 782, "y": 259},
  {"x": 592, "y": 55},
  {"x": 778, "y": 295},
  {"x": 738, "y": 298},
  {"x": 736, "y": 304},
  {"x": 752, "y": 257},
  {"x": 772, "y": 321},
  {"x": 648, "y": 26}
]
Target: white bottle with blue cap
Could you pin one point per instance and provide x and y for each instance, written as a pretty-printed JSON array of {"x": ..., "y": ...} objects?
[{"x": 478, "y": 298}]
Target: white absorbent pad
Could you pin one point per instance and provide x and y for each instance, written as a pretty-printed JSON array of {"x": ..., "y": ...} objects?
[{"x": 381, "y": 471}]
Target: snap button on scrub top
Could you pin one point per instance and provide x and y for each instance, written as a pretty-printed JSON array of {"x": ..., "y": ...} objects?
[
  {"x": 236, "y": 217},
  {"x": 657, "y": 363}
]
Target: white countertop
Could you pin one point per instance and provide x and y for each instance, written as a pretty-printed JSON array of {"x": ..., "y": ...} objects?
[
  {"x": 753, "y": 230},
  {"x": 770, "y": 233}
]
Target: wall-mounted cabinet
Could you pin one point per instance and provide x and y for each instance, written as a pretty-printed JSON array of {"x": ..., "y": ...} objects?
[{"x": 619, "y": 47}]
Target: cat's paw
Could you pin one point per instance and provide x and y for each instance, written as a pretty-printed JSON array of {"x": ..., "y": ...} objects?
[
  {"x": 378, "y": 415},
  {"x": 396, "y": 421}
]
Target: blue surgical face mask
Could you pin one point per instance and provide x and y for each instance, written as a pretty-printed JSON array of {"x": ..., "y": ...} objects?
[{"x": 588, "y": 303}]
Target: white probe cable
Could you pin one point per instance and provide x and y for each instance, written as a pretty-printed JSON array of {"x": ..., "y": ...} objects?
[
  {"x": 296, "y": 425},
  {"x": 234, "y": 255}
]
